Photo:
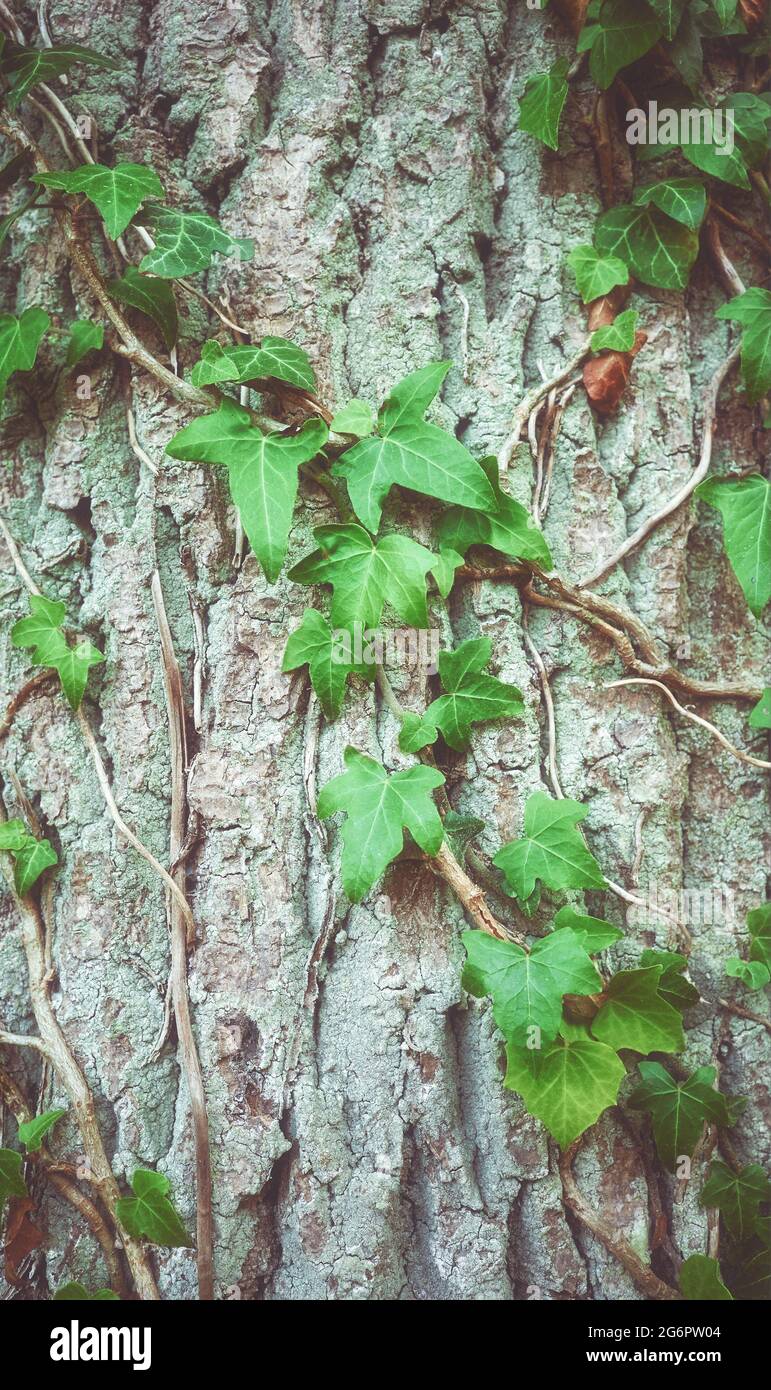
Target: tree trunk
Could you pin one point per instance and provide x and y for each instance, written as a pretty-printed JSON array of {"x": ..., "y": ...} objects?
[{"x": 363, "y": 1146}]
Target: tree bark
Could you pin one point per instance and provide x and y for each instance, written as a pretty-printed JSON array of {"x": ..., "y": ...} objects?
[{"x": 363, "y": 1146}]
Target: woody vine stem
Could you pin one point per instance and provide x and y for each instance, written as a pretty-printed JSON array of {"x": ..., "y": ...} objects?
[{"x": 575, "y": 1026}]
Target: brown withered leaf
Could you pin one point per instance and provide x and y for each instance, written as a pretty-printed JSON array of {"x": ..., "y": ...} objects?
[
  {"x": 606, "y": 376},
  {"x": 22, "y": 1237},
  {"x": 573, "y": 11},
  {"x": 752, "y": 12},
  {"x": 601, "y": 312}
]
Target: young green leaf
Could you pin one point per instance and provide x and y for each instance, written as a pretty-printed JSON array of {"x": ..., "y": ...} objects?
[
  {"x": 377, "y": 807},
  {"x": 364, "y": 575},
  {"x": 506, "y": 526},
  {"x": 617, "y": 336},
  {"x": 12, "y": 1183},
  {"x": 541, "y": 105},
  {"x": 84, "y": 337},
  {"x": 32, "y": 1134},
  {"x": 745, "y": 506},
  {"x": 78, "y": 1293},
  {"x": 700, "y": 1281},
  {"x": 672, "y": 986},
  {"x": 760, "y": 718},
  {"x": 472, "y": 696},
  {"x": 31, "y": 857},
  {"x": 680, "y": 1112},
  {"x": 19, "y": 341},
  {"x": 276, "y": 357},
  {"x": 42, "y": 631},
  {"x": 355, "y": 418},
  {"x": 186, "y": 241},
  {"x": 566, "y": 1085},
  {"x": 444, "y": 567},
  {"x": 684, "y": 200},
  {"x": 411, "y": 453},
  {"x": 551, "y": 850},
  {"x": 26, "y": 67},
  {"x": 759, "y": 926},
  {"x": 625, "y": 31},
  {"x": 118, "y": 193},
  {"x": 262, "y": 472},
  {"x": 658, "y": 250},
  {"x": 737, "y": 1196},
  {"x": 592, "y": 932},
  {"x": 527, "y": 988},
  {"x": 636, "y": 1016},
  {"x": 327, "y": 655},
  {"x": 752, "y": 973},
  {"x": 752, "y": 310},
  {"x": 153, "y": 297},
  {"x": 596, "y": 275},
  {"x": 150, "y": 1214}
]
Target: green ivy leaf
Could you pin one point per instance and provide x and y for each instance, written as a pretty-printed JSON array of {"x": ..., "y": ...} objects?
[
  {"x": 153, "y": 297},
  {"x": 760, "y": 718},
  {"x": 527, "y": 989},
  {"x": 377, "y": 806},
  {"x": 618, "y": 336},
  {"x": 751, "y": 1274},
  {"x": 444, "y": 567},
  {"x": 752, "y": 973},
  {"x": 150, "y": 1214},
  {"x": 84, "y": 338},
  {"x": 364, "y": 575},
  {"x": 31, "y": 857},
  {"x": 684, "y": 200},
  {"x": 19, "y": 341},
  {"x": 411, "y": 453},
  {"x": 275, "y": 357},
  {"x": 355, "y": 418},
  {"x": 262, "y": 472},
  {"x": 752, "y": 310},
  {"x": 567, "y": 1085},
  {"x": 635, "y": 1016},
  {"x": 680, "y": 1112},
  {"x": 186, "y": 241},
  {"x": 686, "y": 52},
  {"x": 541, "y": 105},
  {"x": 460, "y": 831},
  {"x": 28, "y": 66},
  {"x": 670, "y": 12},
  {"x": 759, "y": 926},
  {"x": 472, "y": 696},
  {"x": 672, "y": 987},
  {"x": 552, "y": 849},
  {"x": 416, "y": 733},
  {"x": 658, "y": 250},
  {"x": 751, "y": 115},
  {"x": 737, "y": 1196},
  {"x": 626, "y": 30},
  {"x": 725, "y": 10},
  {"x": 32, "y": 1134},
  {"x": 745, "y": 506},
  {"x": 700, "y": 1280},
  {"x": 42, "y": 631},
  {"x": 77, "y": 1293},
  {"x": 12, "y": 1183},
  {"x": 506, "y": 526},
  {"x": 592, "y": 932},
  {"x": 118, "y": 193},
  {"x": 327, "y": 657},
  {"x": 596, "y": 275}
]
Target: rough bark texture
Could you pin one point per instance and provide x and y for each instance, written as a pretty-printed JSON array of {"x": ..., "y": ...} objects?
[{"x": 363, "y": 1145}]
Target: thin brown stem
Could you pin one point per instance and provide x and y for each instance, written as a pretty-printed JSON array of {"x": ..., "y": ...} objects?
[{"x": 180, "y": 941}]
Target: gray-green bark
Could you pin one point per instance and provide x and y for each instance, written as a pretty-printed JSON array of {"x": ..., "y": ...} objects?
[{"x": 363, "y": 1145}]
